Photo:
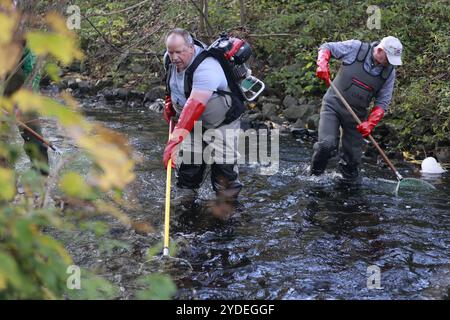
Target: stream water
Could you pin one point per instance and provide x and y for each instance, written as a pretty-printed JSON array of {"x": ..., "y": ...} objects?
[{"x": 292, "y": 236}]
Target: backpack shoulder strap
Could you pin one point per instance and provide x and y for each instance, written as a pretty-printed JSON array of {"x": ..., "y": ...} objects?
[
  {"x": 232, "y": 83},
  {"x": 189, "y": 74},
  {"x": 168, "y": 72},
  {"x": 199, "y": 43},
  {"x": 218, "y": 55}
]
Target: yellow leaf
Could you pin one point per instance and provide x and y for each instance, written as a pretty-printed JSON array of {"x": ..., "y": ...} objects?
[
  {"x": 61, "y": 46},
  {"x": 58, "y": 24},
  {"x": 53, "y": 71},
  {"x": 8, "y": 24},
  {"x": 7, "y": 184},
  {"x": 116, "y": 166},
  {"x": 6, "y": 104},
  {"x": 107, "y": 208},
  {"x": 2, "y": 282},
  {"x": 56, "y": 246},
  {"x": 73, "y": 185},
  {"x": 111, "y": 136},
  {"x": 9, "y": 56},
  {"x": 27, "y": 100},
  {"x": 8, "y": 4}
]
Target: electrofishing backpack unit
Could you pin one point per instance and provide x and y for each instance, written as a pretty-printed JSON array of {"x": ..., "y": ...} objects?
[{"x": 232, "y": 54}]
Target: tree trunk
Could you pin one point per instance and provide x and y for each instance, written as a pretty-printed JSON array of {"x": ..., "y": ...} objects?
[
  {"x": 201, "y": 18},
  {"x": 242, "y": 7}
]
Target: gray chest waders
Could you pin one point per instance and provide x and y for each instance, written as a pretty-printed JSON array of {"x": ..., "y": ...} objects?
[{"x": 359, "y": 88}]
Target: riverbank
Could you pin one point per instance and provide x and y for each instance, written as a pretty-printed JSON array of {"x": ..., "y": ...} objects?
[{"x": 297, "y": 116}]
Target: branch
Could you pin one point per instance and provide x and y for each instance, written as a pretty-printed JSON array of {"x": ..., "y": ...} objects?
[
  {"x": 145, "y": 37},
  {"x": 209, "y": 28},
  {"x": 273, "y": 35},
  {"x": 101, "y": 34},
  {"x": 118, "y": 11},
  {"x": 11, "y": 74},
  {"x": 52, "y": 179},
  {"x": 37, "y": 67}
]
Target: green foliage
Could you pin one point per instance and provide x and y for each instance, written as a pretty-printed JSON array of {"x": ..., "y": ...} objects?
[
  {"x": 420, "y": 107},
  {"x": 74, "y": 185},
  {"x": 160, "y": 288},
  {"x": 286, "y": 35},
  {"x": 93, "y": 287},
  {"x": 33, "y": 263}
]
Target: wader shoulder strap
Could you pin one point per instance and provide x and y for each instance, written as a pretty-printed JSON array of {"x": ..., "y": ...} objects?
[
  {"x": 361, "y": 55},
  {"x": 363, "y": 51},
  {"x": 387, "y": 72}
]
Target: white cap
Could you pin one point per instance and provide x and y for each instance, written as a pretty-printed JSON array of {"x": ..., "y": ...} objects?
[{"x": 393, "y": 48}]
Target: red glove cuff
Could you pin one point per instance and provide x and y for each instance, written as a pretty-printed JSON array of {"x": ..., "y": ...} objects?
[
  {"x": 323, "y": 71},
  {"x": 366, "y": 127},
  {"x": 169, "y": 111}
]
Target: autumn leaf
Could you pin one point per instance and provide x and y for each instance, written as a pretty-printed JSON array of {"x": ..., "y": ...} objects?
[
  {"x": 60, "y": 46},
  {"x": 7, "y": 184},
  {"x": 27, "y": 100},
  {"x": 8, "y": 24},
  {"x": 74, "y": 185},
  {"x": 9, "y": 56}
]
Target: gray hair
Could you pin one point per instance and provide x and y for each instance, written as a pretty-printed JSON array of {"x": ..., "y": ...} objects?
[{"x": 183, "y": 33}]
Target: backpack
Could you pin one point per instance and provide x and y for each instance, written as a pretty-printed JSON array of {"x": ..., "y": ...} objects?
[{"x": 231, "y": 53}]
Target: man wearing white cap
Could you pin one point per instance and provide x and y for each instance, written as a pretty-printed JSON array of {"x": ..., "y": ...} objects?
[{"x": 367, "y": 75}]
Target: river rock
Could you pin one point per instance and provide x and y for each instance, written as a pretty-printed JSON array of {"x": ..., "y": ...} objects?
[
  {"x": 269, "y": 109},
  {"x": 293, "y": 113},
  {"x": 100, "y": 84},
  {"x": 299, "y": 112},
  {"x": 269, "y": 99},
  {"x": 135, "y": 96},
  {"x": 298, "y": 124},
  {"x": 276, "y": 119},
  {"x": 443, "y": 154},
  {"x": 73, "y": 83},
  {"x": 120, "y": 93},
  {"x": 289, "y": 101},
  {"x": 155, "y": 93},
  {"x": 313, "y": 122},
  {"x": 109, "y": 95},
  {"x": 85, "y": 88},
  {"x": 157, "y": 106},
  {"x": 237, "y": 260},
  {"x": 252, "y": 116},
  {"x": 310, "y": 109}
]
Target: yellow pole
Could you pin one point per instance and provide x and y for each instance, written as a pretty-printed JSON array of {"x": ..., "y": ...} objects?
[
  {"x": 167, "y": 209},
  {"x": 167, "y": 212}
]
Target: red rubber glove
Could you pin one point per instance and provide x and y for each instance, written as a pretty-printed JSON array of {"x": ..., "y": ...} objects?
[
  {"x": 367, "y": 126},
  {"x": 169, "y": 111},
  {"x": 323, "y": 70},
  {"x": 191, "y": 112}
]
